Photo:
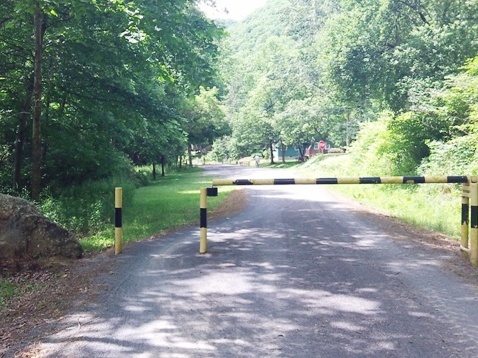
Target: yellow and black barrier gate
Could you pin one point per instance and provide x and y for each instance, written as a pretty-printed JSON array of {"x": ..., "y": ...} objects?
[{"x": 469, "y": 207}]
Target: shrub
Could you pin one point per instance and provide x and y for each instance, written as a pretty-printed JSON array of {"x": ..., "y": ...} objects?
[
  {"x": 87, "y": 208},
  {"x": 456, "y": 157}
]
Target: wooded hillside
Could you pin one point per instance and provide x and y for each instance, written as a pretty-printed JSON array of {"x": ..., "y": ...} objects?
[{"x": 399, "y": 76}]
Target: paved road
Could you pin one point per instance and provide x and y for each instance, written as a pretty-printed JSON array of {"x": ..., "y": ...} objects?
[{"x": 300, "y": 273}]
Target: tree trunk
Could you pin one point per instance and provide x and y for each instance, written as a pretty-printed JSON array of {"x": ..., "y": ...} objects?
[
  {"x": 190, "y": 155},
  {"x": 347, "y": 135},
  {"x": 283, "y": 147},
  {"x": 163, "y": 160},
  {"x": 301, "y": 152},
  {"x": 154, "y": 170},
  {"x": 272, "y": 152},
  {"x": 39, "y": 25},
  {"x": 21, "y": 136}
]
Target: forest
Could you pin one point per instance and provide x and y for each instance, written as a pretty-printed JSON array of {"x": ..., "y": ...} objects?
[
  {"x": 89, "y": 89},
  {"x": 392, "y": 80},
  {"x": 94, "y": 91}
]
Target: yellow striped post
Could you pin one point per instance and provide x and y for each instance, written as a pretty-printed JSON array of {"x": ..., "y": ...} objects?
[
  {"x": 204, "y": 193},
  {"x": 203, "y": 221},
  {"x": 474, "y": 221},
  {"x": 118, "y": 220},
  {"x": 465, "y": 218}
]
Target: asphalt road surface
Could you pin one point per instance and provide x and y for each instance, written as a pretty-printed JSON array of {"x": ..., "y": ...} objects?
[{"x": 299, "y": 273}]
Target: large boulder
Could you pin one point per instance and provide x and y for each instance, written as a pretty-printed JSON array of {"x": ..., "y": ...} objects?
[{"x": 26, "y": 233}]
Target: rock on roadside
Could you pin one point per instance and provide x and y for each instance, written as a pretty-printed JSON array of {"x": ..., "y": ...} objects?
[{"x": 26, "y": 233}]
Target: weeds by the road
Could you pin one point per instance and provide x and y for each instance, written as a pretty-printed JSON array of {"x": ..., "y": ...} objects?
[{"x": 7, "y": 290}]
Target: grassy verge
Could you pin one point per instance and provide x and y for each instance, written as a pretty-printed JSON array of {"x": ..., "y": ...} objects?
[
  {"x": 170, "y": 202},
  {"x": 289, "y": 163},
  {"x": 7, "y": 290},
  {"x": 436, "y": 206}
]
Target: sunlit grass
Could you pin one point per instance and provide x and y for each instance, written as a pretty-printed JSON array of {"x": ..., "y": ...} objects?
[
  {"x": 289, "y": 163},
  {"x": 168, "y": 203},
  {"x": 7, "y": 290}
]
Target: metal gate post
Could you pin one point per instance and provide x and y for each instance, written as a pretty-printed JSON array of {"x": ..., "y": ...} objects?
[
  {"x": 203, "y": 221},
  {"x": 474, "y": 221},
  {"x": 118, "y": 220},
  {"x": 465, "y": 219}
]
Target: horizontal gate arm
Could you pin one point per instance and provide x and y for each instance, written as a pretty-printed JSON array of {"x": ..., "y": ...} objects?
[{"x": 345, "y": 180}]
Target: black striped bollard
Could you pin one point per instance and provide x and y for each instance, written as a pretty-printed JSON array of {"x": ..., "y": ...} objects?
[
  {"x": 465, "y": 219},
  {"x": 204, "y": 193},
  {"x": 118, "y": 220},
  {"x": 474, "y": 221}
]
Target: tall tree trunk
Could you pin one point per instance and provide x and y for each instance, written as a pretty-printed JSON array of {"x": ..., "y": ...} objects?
[
  {"x": 21, "y": 135},
  {"x": 271, "y": 147},
  {"x": 163, "y": 162},
  {"x": 39, "y": 25},
  {"x": 154, "y": 170},
  {"x": 347, "y": 132},
  {"x": 190, "y": 155},
  {"x": 283, "y": 148},
  {"x": 19, "y": 146}
]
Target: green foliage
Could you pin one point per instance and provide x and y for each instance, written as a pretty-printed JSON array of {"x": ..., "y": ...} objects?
[
  {"x": 455, "y": 107},
  {"x": 370, "y": 150},
  {"x": 114, "y": 77},
  {"x": 381, "y": 50},
  {"x": 458, "y": 156},
  {"x": 7, "y": 290},
  {"x": 204, "y": 116},
  {"x": 88, "y": 207},
  {"x": 407, "y": 143},
  {"x": 224, "y": 149}
]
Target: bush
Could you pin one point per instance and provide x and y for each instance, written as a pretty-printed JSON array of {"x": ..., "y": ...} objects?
[
  {"x": 456, "y": 157},
  {"x": 87, "y": 208},
  {"x": 142, "y": 176},
  {"x": 370, "y": 152}
]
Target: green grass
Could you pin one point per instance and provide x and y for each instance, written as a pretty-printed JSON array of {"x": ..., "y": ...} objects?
[
  {"x": 168, "y": 203},
  {"x": 289, "y": 163},
  {"x": 432, "y": 206},
  {"x": 7, "y": 290}
]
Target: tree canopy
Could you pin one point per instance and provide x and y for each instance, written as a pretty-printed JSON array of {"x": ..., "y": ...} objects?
[
  {"x": 103, "y": 84},
  {"x": 304, "y": 70}
]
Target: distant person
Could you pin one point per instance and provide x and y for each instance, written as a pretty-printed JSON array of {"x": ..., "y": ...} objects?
[{"x": 257, "y": 159}]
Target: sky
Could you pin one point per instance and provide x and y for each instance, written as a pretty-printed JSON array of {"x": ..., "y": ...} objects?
[{"x": 236, "y": 9}]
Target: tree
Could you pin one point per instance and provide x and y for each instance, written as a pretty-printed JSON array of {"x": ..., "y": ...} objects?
[
  {"x": 204, "y": 120},
  {"x": 112, "y": 71}
]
